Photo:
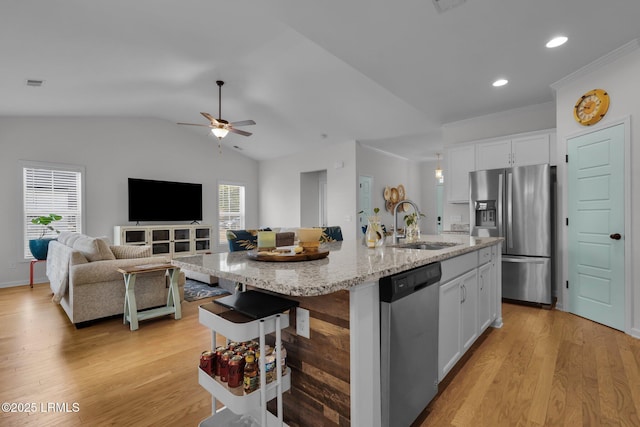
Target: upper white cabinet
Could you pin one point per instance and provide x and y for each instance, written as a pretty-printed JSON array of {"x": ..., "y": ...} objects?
[
  {"x": 523, "y": 150},
  {"x": 460, "y": 161}
]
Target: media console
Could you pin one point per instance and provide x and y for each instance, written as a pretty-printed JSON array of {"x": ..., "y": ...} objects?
[{"x": 167, "y": 240}]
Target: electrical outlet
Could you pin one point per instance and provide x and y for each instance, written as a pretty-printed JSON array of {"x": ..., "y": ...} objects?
[{"x": 302, "y": 322}]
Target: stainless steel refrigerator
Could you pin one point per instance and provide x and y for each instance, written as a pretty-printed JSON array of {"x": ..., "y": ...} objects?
[{"x": 517, "y": 204}]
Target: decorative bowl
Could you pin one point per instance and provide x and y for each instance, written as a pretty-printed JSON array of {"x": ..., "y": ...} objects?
[{"x": 306, "y": 235}]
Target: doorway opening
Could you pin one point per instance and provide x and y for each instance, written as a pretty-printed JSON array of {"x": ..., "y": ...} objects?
[{"x": 313, "y": 199}]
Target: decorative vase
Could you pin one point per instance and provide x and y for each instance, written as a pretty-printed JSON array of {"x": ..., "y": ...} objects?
[
  {"x": 412, "y": 233},
  {"x": 39, "y": 248},
  {"x": 374, "y": 235}
]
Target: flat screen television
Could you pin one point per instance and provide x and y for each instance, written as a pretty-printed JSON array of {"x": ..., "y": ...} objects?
[{"x": 151, "y": 200}]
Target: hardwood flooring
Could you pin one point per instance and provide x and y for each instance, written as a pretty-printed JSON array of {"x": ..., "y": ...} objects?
[{"x": 543, "y": 368}]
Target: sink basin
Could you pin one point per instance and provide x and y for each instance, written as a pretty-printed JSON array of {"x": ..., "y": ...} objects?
[{"x": 429, "y": 246}]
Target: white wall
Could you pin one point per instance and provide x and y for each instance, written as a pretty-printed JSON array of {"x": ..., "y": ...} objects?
[
  {"x": 279, "y": 185},
  {"x": 390, "y": 171},
  {"x": 428, "y": 195},
  {"x": 618, "y": 75},
  {"x": 112, "y": 150}
]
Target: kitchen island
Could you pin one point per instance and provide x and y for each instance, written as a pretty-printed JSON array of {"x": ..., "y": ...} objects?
[{"x": 335, "y": 373}]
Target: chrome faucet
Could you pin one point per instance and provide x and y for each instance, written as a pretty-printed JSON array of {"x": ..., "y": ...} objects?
[{"x": 396, "y": 236}]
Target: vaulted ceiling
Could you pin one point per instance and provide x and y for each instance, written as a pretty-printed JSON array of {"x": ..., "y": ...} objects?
[{"x": 385, "y": 73}]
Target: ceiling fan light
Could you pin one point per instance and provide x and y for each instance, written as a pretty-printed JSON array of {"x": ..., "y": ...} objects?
[
  {"x": 220, "y": 132},
  {"x": 556, "y": 41}
]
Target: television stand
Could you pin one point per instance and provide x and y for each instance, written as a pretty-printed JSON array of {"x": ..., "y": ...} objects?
[{"x": 167, "y": 240}]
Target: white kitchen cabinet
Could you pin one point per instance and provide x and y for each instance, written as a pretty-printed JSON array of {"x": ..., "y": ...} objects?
[
  {"x": 485, "y": 296},
  {"x": 460, "y": 161},
  {"x": 458, "y": 312},
  {"x": 469, "y": 310},
  {"x": 171, "y": 240},
  {"x": 470, "y": 297},
  {"x": 516, "y": 151},
  {"x": 449, "y": 330}
]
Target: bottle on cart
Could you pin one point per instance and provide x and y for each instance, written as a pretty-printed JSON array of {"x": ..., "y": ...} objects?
[{"x": 251, "y": 379}]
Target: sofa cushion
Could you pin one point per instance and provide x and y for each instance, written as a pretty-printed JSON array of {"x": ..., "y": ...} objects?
[
  {"x": 130, "y": 251},
  {"x": 93, "y": 249}
]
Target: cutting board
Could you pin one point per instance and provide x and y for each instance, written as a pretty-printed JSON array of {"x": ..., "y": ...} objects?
[{"x": 287, "y": 257}]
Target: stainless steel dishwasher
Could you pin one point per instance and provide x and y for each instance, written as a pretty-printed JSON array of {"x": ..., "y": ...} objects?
[{"x": 408, "y": 343}]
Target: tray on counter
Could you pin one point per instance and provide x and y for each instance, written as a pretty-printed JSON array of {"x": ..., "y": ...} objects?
[{"x": 287, "y": 257}]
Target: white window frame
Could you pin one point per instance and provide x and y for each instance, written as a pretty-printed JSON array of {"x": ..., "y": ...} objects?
[
  {"x": 80, "y": 225},
  {"x": 222, "y": 235}
]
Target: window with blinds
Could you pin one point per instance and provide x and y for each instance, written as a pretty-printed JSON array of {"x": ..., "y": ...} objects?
[
  {"x": 51, "y": 189},
  {"x": 230, "y": 210}
]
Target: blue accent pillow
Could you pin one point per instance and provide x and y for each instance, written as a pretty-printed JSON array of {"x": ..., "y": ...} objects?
[{"x": 331, "y": 234}]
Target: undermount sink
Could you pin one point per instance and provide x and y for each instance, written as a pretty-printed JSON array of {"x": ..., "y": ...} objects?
[{"x": 430, "y": 246}]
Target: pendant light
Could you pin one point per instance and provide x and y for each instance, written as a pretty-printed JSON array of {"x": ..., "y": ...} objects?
[{"x": 438, "y": 168}]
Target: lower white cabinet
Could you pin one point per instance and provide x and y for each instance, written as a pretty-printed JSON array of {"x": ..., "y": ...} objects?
[
  {"x": 468, "y": 304},
  {"x": 458, "y": 320},
  {"x": 485, "y": 296}
]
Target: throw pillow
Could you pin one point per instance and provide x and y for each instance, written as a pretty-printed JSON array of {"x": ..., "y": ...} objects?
[
  {"x": 103, "y": 248},
  {"x": 130, "y": 251},
  {"x": 88, "y": 246}
]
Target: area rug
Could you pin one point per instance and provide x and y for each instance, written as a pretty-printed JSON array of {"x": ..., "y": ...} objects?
[{"x": 195, "y": 290}]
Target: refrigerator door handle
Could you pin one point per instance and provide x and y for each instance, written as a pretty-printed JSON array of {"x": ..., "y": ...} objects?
[
  {"x": 500, "y": 203},
  {"x": 509, "y": 209}
]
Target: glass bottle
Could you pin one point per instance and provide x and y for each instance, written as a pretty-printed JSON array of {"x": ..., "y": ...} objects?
[{"x": 251, "y": 379}]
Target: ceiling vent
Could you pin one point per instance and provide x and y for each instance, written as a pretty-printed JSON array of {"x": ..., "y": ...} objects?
[
  {"x": 444, "y": 5},
  {"x": 34, "y": 82}
]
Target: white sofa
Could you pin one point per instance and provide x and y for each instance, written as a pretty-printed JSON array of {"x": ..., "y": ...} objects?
[{"x": 83, "y": 276}]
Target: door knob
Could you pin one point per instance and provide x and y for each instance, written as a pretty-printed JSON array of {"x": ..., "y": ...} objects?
[{"x": 615, "y": 236}]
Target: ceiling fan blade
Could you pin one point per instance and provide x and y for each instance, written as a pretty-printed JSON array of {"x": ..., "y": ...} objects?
[
  {"x": 210, "y": 118},
  {"x": 240, "y": 132},
  {"x": 195, "y": 124},
  {"x": 243, "y": 123}
]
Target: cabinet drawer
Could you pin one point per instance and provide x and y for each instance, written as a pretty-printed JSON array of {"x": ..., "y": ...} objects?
[
  {"x": 457, "y": 266},
  {"x": 484, "y": 255}
]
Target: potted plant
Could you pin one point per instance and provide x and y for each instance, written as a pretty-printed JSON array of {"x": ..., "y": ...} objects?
[
  {"x": 412, "y": 230},
  {"x": 40, "y": 246}
]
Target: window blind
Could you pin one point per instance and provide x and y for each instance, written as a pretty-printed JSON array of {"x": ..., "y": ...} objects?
[
  {"x": 230, "y": 210},
  {"x": 49, "y": 190}
]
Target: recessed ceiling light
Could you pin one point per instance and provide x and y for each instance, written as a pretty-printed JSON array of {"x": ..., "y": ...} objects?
[
  {"x": 556, "y": 41},
  {"x": 500, "y": 82}
]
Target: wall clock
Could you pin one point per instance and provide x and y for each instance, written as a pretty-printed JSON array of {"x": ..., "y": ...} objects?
[{"x": 591, "y": 107}]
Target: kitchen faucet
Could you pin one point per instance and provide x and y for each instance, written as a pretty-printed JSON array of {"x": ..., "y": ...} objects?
[{"x": 396, "y": 236}]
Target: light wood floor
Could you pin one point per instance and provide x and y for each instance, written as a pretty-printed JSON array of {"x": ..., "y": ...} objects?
[{"x": 543, "y": 368}]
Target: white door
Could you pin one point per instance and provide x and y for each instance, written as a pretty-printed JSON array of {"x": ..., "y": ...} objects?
[
  {"x": 596, "y": 226},
  {"x": 364, "y": 198}
]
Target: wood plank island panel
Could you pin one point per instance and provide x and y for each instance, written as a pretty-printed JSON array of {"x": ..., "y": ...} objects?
[{"x": 320, "y": 387}]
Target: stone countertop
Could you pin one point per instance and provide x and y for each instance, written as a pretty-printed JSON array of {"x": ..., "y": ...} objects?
[{"x": 349, "y": 263}]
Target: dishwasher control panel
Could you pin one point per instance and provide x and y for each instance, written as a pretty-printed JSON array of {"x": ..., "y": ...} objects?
[{"x": 402, "y": 284}]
